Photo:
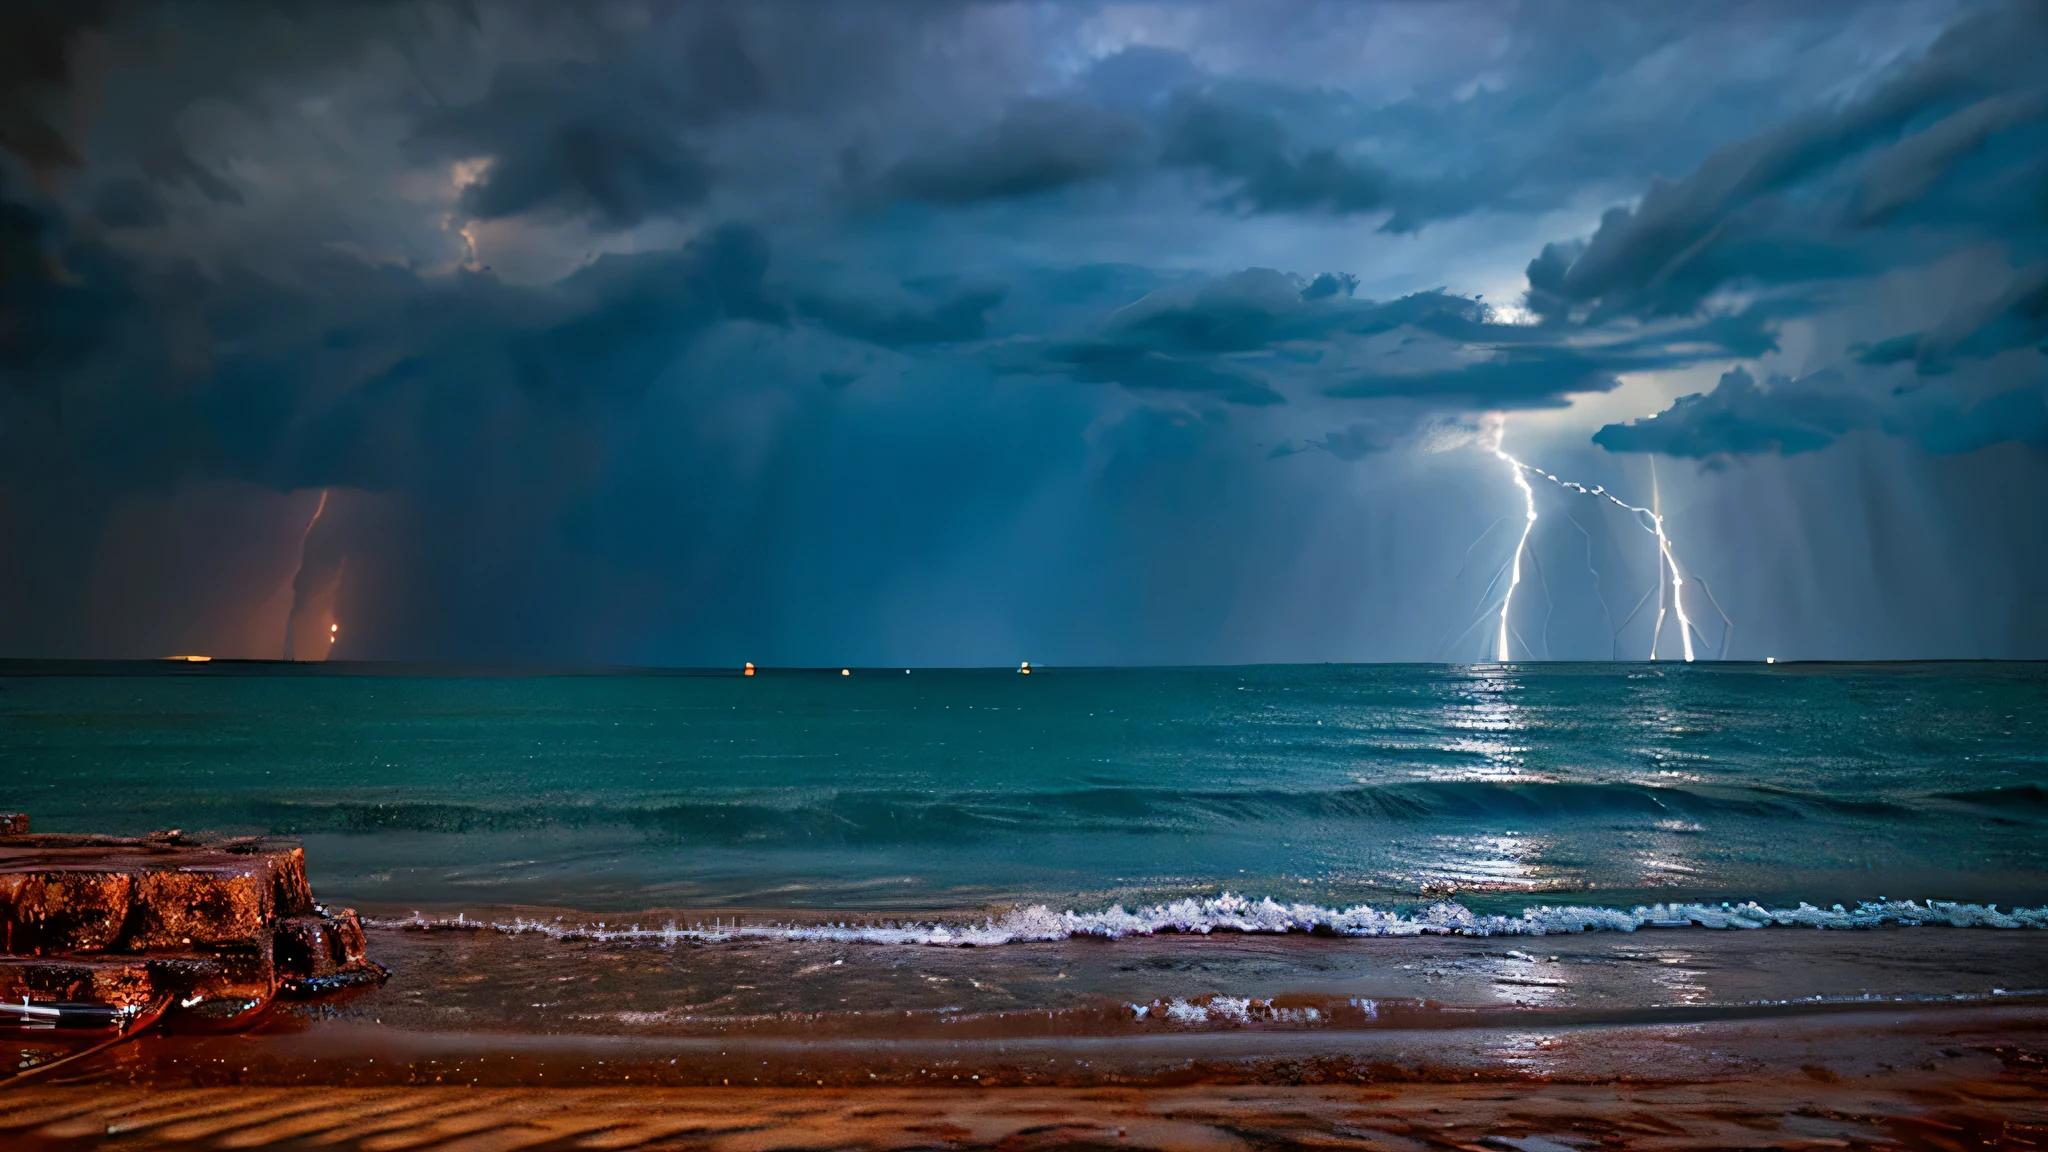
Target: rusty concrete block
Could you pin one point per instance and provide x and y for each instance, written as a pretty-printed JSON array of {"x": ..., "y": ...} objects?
[
  {"x": 227, "y": 974},
  {"x": 306, "y": 947},
  {"x": 320, "y": 948},
  {"x": 85, "y": 894},
  {"x": 292, "y": 893},
  {"x": 122, "y": 920},
  {"x": 62, "y": 911},
  {"x": 123, "y": 982},
  {"x": 133, "y": 981},
  {"x": 203, "y": 903}
]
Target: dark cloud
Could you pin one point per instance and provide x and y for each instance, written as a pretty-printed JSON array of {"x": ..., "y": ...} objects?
[
  {"x": 1740, "y": 417},
  {"x": 1141, "y": 370},
  {"x": 961, "y": 317},
  {"x": 496, "y": 420},
  {"x": 1039, "y": 146},
  {"x": 1330, "y": 284},
  {"x": 1237, "y": 313},
  {"x": 1260, "y": 325},
  {"x": 56, "y": 305},
  {"x": 372, "y": 382},
  {"x": 107, "y": 85},
  {"x": 1538, "y": 366},
  {"x": 1261, "y": 308},
  {"x": 1518, "y": 379},
  {"x": 37, "y": 40},
  {"x": 127, "y": 203},
  {"x": 562, "y": 137},
  {"x": 1903, "y": 173},
  {"x": 1252, "y": 152},
  {"x": 1585, "y": 94},
  {"x": 1042, "y": 146},
  {"x": 234, "y": 269},
  {"x": 1178, "y": 340},
  {"x": 1788, "y": 417},
  {"x": 1729, "y": 221},
  {"x": 1212, "y": 336},
  {"x": 1531, "y": 145},
  {"x": 169, "y": 165}
]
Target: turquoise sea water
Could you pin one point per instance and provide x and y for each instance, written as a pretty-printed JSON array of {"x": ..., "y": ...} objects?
[{"x": 943, "y": 790}]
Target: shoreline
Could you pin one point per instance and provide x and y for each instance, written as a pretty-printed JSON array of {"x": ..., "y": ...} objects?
[
  {"x": 1228, "y": 914},
  {"x": 1849, "y": 1046},
  {"x": 478, "y": 979}
]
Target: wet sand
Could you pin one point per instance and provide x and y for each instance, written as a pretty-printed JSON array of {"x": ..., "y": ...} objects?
[
  {"x": 1933, "y": 1081},
  {"x": 483, "y": 981},
  {"x": 1923, "y": 1039}
]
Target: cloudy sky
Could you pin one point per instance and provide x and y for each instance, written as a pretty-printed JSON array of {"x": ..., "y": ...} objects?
[{"x": 966, "y": 333}]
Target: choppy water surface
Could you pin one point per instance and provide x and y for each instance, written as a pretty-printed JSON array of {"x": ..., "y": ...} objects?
[{"x": 912, "y": 794}]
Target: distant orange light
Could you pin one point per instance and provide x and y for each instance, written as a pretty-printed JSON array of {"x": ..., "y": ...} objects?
[
  {"x": 190, "y": 659},
  {"x": 846, "y": 671},
  {"x": 1025, "y": 668},
  {"x": 750, "y": 669}
]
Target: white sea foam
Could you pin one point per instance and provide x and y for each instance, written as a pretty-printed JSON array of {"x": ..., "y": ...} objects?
[
  {"x": 1227, "y": 1010},
  {"x": 1229, "y": 913}
]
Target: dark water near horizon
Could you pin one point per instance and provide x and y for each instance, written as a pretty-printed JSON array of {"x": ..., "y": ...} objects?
[{"x": 941, "y": 790}]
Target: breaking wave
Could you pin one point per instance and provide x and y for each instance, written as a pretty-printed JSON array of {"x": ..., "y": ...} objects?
[{"x": 1229, "y": 913}]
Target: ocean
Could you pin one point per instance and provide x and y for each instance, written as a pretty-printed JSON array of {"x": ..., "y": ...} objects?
[
  {"x": 931, "y": 791},
  {"x": 660, "y": 857}
]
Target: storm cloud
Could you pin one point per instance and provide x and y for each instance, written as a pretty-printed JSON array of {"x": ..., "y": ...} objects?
[
  {"x": 548, "y": 147},
  {"x": 1038, "y": 146},
  {"x": 1739, "y": 416},
  {"x": 850, "y": 331}
]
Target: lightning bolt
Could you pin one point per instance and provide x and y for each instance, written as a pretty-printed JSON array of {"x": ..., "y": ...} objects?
[
  {"x": 1529, "y": 525},
  {"x": 1649, "y": 519},
  {"x": 291, "y": 619}
]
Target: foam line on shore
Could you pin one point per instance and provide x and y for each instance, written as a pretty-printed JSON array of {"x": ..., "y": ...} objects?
[{"x": 1231, "y": 913}]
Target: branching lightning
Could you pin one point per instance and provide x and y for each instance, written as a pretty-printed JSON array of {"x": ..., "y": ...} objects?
[{"x": 1649, "y": 519}]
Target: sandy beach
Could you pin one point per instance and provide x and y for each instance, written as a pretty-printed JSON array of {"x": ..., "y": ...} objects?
[
  {"x": 1673, "y": 1039},
  {"x": 1943, "y": 1080}
]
